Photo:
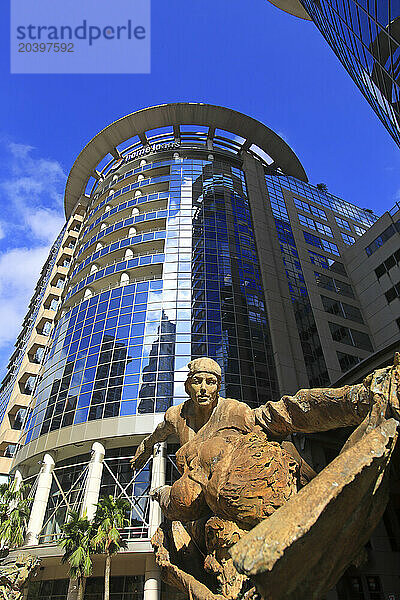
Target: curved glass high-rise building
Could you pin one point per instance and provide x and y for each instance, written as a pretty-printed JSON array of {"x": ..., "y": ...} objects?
[
  {"x": 191, "y": 230},
  {"x": 365, "y": 36}
]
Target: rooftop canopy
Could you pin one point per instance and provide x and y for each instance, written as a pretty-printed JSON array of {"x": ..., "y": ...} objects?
[
  {"x": 252, "y": 133},
  {"x": 293, "y": 7}
]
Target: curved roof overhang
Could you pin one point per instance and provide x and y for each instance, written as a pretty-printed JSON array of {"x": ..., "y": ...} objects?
[
  {"x": 293, "y": 7},
  {"x": 136, "y": 124}
]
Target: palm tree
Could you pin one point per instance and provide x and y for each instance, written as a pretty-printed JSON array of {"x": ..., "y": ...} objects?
[
  {"x": 14, "y": 513},
  {"x": 76, "y": 543},
  {"x": 322, "y": 187},
  {"x": 109, "y": 519}
]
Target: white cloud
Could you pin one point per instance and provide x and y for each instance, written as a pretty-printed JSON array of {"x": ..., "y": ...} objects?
[
  {"x": 45, "y": 224},
  {"x": 31, "y": 189},
  {"x": 20, "y": 150},
  {"x": 19, "y": 271}
]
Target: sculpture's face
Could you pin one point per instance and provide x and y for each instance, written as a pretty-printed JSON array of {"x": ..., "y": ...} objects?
[{"x": 203, "y": 388}]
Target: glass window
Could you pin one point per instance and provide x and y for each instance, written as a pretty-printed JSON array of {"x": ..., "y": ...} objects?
[
  {"x": 380, "y": 270},
  {"x": 373, "y": 583},
  {"x": 330, "y": 247},
  {"x": 38, "y": 356},
  {"x": 313, "y": 240},
  {"x": 10, "y": 450},
  {"x": 348, "y": 239},
  {"x": 46, "y": 328},
  {"x": 347, "y": 361},
  {"x": 342, "y": 309},
  {"x": 359, "y": 230},
  {"x": 391, "y": 294},
  {"x": 343, "y": 223},
  {"x": 316, "y": 225},
  {"x": 334, "y": 285},
  {"x": 352, "y": 337},
  {"x": 390, "y": 262},
  {"x": 343, "y": 288},
  {"x": 29, "y": 385},
  {"x": 317, "y": 212},
  {"x": 332, "y": 306},
  {"x": 381, "y": 239},
  {"x": 341, "y": 334},
  {"x": 356, "y": 588},
  {"x": 327, "y": 263},
  {"x": 53, "y": 304},
  {"x": 352, "y": 312}
]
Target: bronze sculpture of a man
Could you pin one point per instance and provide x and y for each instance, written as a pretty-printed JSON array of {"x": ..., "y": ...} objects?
[{"x": 236, "y": 470}]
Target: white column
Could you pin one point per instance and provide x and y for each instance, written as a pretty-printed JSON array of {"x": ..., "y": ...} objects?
[
  {"x": 17, "y": 480},
  {"x": 152, "y": 576},
  {"x": 157, "y": 480},
  {"x": 39, "y": 505},
  {"x": 152, "y": 579},
  {"x": 93, "y": 482}
]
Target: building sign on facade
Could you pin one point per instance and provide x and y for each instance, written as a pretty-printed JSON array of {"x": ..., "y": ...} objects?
[{"x": 149, "y": 149}]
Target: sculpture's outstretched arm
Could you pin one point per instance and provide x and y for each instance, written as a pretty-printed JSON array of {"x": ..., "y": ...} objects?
[
  {"x": 315, "y": 410},
  {"x": 145, "y": 448},
  {"x": 322, "y": 409}
]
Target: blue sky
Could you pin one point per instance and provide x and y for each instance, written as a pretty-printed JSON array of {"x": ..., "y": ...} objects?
[{"x": 260, "y": 61}]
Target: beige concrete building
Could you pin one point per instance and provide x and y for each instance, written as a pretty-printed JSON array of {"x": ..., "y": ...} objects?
[{"x": 24, "y": 364}]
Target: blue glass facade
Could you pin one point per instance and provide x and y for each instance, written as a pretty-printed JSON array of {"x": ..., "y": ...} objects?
[
  {"x": 124, "y": 351},
  {"x": 365, "y": 37}
]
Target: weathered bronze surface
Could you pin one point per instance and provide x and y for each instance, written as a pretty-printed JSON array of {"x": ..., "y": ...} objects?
[
  {"x": 14, "y": 575},
  {"x": 302, "y": 549},
  {"x": 238, "y": 473}
]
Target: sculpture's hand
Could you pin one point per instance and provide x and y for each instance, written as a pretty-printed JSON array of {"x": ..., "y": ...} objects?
[
  {"x": 145, "y": 448},
  {"x": 141, "y": 456},
  {"x": 383, "y": 386},
  {"x": 161, "y": 494},
  {"x": 155, "y": 493}
]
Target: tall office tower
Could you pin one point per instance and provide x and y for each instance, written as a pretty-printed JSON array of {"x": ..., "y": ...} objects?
[
  {"x": 365, "y": 36},
  {"x": 199, "y": 235}
]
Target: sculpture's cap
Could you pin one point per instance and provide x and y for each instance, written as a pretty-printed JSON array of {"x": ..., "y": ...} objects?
[{"x": 204, "y": 365}]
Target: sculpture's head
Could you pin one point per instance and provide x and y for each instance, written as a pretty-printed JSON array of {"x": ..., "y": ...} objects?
[{"x": 203, "y": 381}]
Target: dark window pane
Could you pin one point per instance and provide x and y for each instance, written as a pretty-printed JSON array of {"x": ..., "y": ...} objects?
[{"x": 381, "y": 270}]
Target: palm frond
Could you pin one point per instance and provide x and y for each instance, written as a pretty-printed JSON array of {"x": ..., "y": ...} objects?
[
  {"x": 111, "y": 516},
  {"x": 14, "y": 513},
  {"x": 76, "y": 538}
]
